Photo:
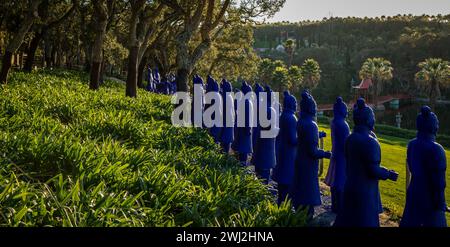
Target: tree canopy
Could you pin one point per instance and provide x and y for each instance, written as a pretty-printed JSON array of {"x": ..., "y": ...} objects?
[{"x": 122, "y": 38}]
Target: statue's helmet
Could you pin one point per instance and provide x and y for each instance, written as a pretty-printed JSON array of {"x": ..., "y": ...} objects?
[
  {"x": 290, "y": 102},
  {"x": 245, "y": 88},
  {"x": 258, "y": 89},
  {"x": 226, "y": 86},
  {"x": 270, "y": 95},
  {"x": 198, "y": 80},
  {"x": 340, "y": 108},
  {"x": 363, "y": 114},
  {"x": 427, "y": 121},
  {"x": 308, "y": 105},
  {"x": 211, "y": 85}
]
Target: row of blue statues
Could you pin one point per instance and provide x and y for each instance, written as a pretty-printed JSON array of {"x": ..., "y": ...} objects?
[
  {"x": 156, "y": 84},
  {"x": 292, "y": 158}
]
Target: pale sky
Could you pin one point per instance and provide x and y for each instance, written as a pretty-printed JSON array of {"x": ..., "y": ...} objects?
[{"x": 296, "y": 10}]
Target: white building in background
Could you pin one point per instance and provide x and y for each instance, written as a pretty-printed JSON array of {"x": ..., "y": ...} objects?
[{"x": 280, "y": 48}]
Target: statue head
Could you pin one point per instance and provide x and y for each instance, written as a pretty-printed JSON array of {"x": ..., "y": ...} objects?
[
  {"x": 226, "y": 86},
  {"x": 308, "y": 106},
  {"x": 198, "y": 80},
  {"x": 211, "y": 85},
  {"x": 427, "y": 122},
  {"x": 363, "y": 115},
  {"x": 258, "y": 89},
  {"x": 245, "y": 88},
  {"x": 340, "y": 108},
  {"x": 290, "y": 102},
  {"x": 270, "y": 95}
]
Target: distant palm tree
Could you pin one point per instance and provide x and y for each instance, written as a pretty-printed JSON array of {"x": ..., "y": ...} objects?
[
  {"x": 434, "y": 73},
  {"x": 289, "y": 46},
  {"x": 310, "y": 72},
  {"x": 379, "y": 70}
]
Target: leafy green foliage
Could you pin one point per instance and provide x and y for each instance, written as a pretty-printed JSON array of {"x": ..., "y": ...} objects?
[
  {"x": 276, "y": 74},
  {"x": 70, "y": 156},
  {"x": 311, "y": 73},
  {"x": 434, "y": 74},
  {"x": 231, "y": 55},
  {"x": 379, "y": 71}
]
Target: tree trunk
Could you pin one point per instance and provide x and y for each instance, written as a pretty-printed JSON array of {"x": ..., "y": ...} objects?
[
  {"x": 53, "y": 56},
  {"x": 187, "y": 60},
  {"x": 183, "y": 80},
  {"x": 47, "y": 52},
  {"x": 94, "y": 82},
  {"x": 291, "y": 58},
  {"x": 102, "y": 70},
  {"x": 131, "y": 90},
  {"x": 17, "y": 40},
  {"x": 433, "y": 102},
  {"x": 182, "y": 61},
  {"x": 6, "y": 65},
  {"x": 100, "y": 22},
  {"x": 87, "y": 65},
  {"x": 28, "y": 67},
  {"x": 433, "y": 95},
  {"x": 59, "y": 56},
  {"x": 142, "y": 64},
  {"x": 375, "y": 95},
  {"x": 87, "y": 57},
  {"x": 20, "y": 60}
]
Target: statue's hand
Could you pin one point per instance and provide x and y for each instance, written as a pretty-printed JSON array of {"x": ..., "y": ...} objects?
[
  {"x": 327, "y": 155},
  {"x": 322, "y": 134},
  {"x": 393, "y": 175}
]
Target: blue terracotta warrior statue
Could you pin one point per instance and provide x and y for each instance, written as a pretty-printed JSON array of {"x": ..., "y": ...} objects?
[
  {"x": 156, "y": 81},
  {"x": 283, "y": 173},
  {"x": 264, "y": 152},
  {"x": 256, "y": 130},
  {"x": 197, "y": 80},
  {"x": 173, "y": 84},
  {"x": 213, "y": 87},
  {"x": 165, "y": 87},
  {"x": 244, "y": 134},
  {"x": 425, "y": 198},
  {"x": 227, "y": 134},
  {"x": 305, "y": 189},
  {"x": 236, "y": 136},
  {"x": 336, "y": 171},
  {"x": 361, "y": 204},
  {"x": 150, "y": 83},
  {"x": 156, "y": 76}
]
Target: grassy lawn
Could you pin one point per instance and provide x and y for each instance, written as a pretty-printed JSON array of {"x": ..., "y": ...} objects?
[{"x": 393, "y": 157}]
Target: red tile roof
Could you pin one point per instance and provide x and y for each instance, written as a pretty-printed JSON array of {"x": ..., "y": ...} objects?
[{"x": 365, "y": 84}]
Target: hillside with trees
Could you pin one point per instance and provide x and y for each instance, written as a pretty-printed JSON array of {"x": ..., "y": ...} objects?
[{"x": 342, "y": 45}]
